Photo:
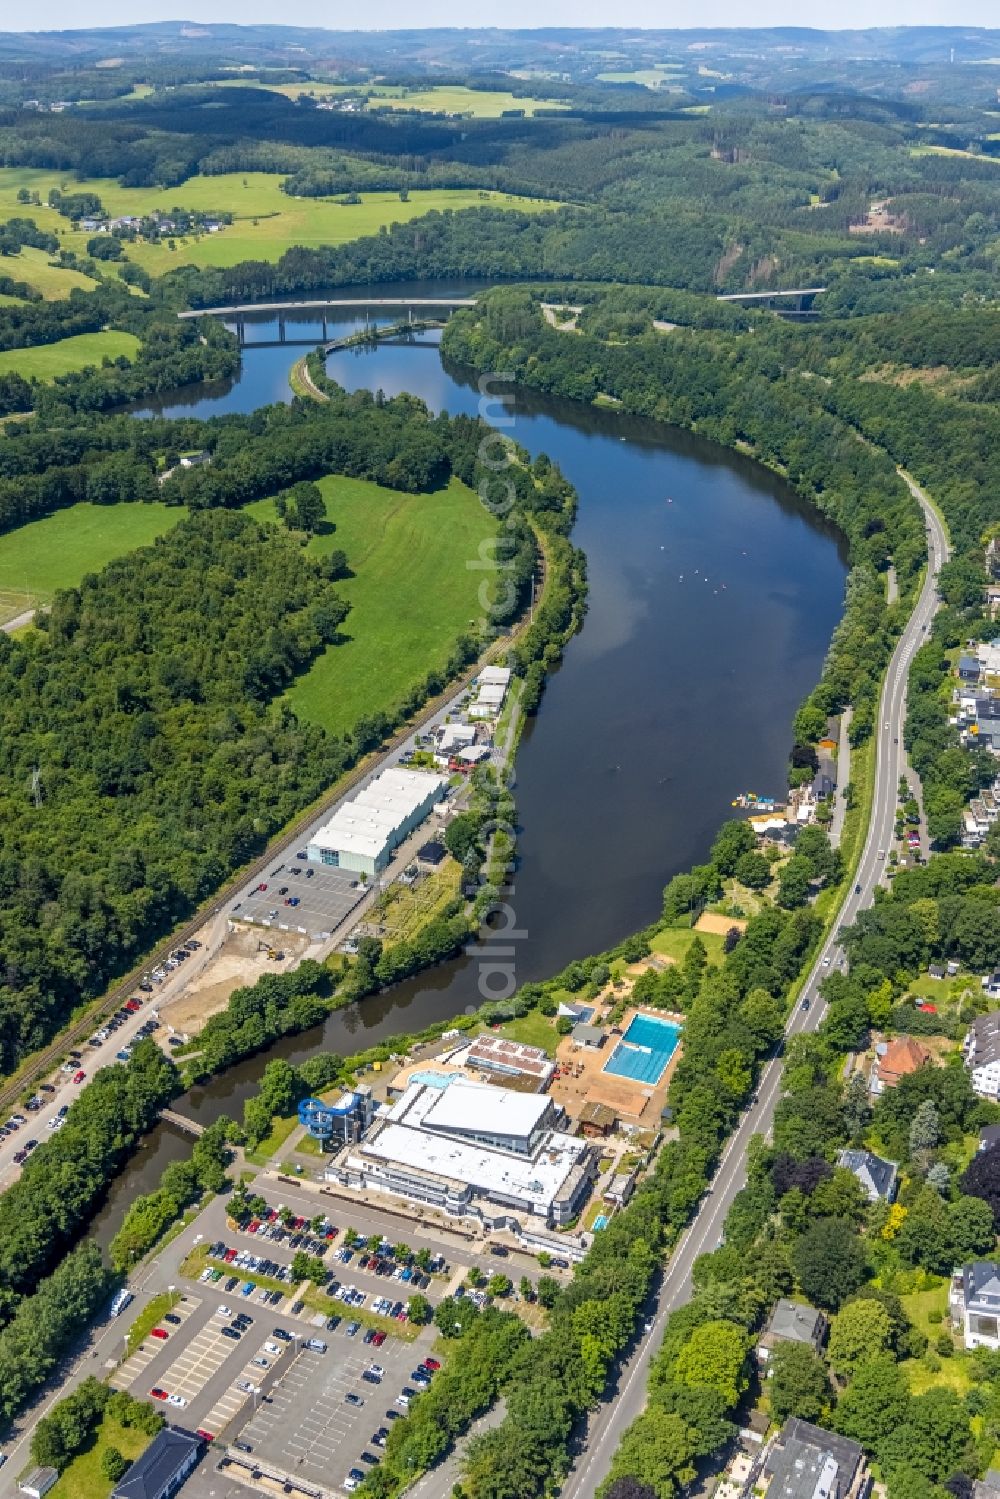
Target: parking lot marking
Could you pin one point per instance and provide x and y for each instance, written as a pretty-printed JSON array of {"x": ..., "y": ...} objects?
[
  {"x": 325, "y": 898},
  {"x": 147, "y": 1350}
]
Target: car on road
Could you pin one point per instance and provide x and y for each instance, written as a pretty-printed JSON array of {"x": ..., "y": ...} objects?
[
  {"x": 804, "y": 1005},
  {"x": 826, "y": 962},
  {"x": 206, "y": 1436}
]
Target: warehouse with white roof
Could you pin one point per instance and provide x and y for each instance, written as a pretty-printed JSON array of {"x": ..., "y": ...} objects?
[
  {"x": 472, "y": 1150},
  {"x": 363, "y": 833}
]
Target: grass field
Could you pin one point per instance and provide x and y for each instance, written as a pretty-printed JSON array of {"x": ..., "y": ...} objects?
[
  {"x": 484, "y": 104},
  {"x": 455, "y": 99},
  {"x": 533, "y": 1029},
  {"x": 33, "y": 266},
  {"x": 45, "y": 361},
  {"x": 56, "y": 551},
  {"x": 266, "y": 220},
  {"x": 83, "y": 1478},
  {"x": 412, "y": 596},
  {"x": 674, "y": 942}
]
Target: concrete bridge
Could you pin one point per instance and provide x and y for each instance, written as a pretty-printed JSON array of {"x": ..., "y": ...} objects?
[
  {"x": 181, "y": 1121},
  {"x": 801, "y": 296},
  {"x": 321, "y": 306}
]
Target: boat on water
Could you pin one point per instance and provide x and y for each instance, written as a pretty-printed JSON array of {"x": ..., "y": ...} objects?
[{"x": 751, "y": 799}]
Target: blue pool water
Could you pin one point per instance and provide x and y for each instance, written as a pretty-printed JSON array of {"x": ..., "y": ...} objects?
[
  {"x": 601, "y": 1221},
  {"x": 645, "y": 1049}
]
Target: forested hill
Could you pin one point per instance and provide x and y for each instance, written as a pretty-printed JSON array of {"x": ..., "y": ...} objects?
[{"x": 161, "y": 771}]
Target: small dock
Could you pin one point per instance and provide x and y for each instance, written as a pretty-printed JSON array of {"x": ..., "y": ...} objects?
[{"x": 181, "y": 1121}]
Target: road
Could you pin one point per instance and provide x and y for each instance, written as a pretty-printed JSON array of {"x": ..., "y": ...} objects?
[
  {"x": 93, "y": 1058},
  {"x": 628, "y": 1398}
]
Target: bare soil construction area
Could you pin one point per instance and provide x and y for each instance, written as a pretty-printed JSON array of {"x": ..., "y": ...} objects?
[{"x": 240, "y": 961}]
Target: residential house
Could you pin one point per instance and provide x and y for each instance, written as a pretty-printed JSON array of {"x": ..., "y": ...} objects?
[
  {"x": 935, "y": 970},
  {"x": 163, "y": 1467},
  {"x": 991, "y": 984},
  {"x": 792, "y": 1322},
  {"x": 620, "y": 1188},
  {"x": 969, "y": 668},
  {"x": 901, "y": 1057},
  {"x": 975, "y": 1303},
  {"x": 878, "y": 1177},
  {"x": 195, "y": 460},
  {"x": 38, "y": 1481},
  {"x": 989, "y": 1136},
  {"x": 807, "y": 1462},
  {"x": 981, "y": 1049}
]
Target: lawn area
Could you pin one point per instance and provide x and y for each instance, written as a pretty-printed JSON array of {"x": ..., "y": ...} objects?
[
  {"x": 56, "y": 551},
  {"x": 455, "y": 99},
  {"x": 149, "y": 1318},
  {"x": 34, "y": 266},
  {"x": 280, "y": 1130},
  {"x": 83, "y": 1478},
  {"x": 919, "y": 1304},
  {"x": 266, "y": 220},
  {"x": 534, "y": 1029},
  {"x": 954, "y": 1374},
  {"x": 412, "y": 596},
  {"x": 45, "y": 361},
  {"x": 674, "y": 941}
]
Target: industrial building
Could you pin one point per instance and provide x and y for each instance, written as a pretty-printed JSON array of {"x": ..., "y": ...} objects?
[
  {"x": 492, "y": 684},
  {"x": 363, "y": 833},
  {"x": 473, "y": 1150}
]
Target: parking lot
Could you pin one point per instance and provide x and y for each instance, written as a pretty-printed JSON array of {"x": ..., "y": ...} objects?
[
  {"x": 195, "y": 1365},
  {"x": 310, "y": 1428},
  {"x": 324, "y": 898}
]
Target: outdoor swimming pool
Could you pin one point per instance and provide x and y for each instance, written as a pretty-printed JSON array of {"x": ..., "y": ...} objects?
[{"x": 645, "y": 1049}]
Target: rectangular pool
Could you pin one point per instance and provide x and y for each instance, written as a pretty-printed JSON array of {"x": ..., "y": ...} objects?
[{"x": 645, "y": 1049}]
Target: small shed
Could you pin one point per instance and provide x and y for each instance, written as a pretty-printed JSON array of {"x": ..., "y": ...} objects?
[
  {"x": 590, "y": 1036},
  {"x": 597, "y": 1121}
]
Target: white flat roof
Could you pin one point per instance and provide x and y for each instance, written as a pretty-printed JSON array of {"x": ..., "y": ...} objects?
[
  {"x": 495, "y": 674},
  {"x": 535, "y": 1181},
  {"x": 367, "y": 823},
  {"x": 491, "y": 693},
  {"x": 467, "y": 1105}
]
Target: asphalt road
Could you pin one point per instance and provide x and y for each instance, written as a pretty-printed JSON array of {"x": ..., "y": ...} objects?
[{"x": 628, "y": 1398}]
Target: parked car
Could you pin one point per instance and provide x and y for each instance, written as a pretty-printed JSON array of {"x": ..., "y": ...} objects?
[
  {"x": 159, "y": 1332},
  {"x": 351, "y": 1398}
]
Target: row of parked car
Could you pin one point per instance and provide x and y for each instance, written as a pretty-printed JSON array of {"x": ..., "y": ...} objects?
[{"x": 374, "y": 1374}]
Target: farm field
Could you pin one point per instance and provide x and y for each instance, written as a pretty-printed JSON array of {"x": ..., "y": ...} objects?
[
  {"x": 412, "y": 596},
  {"x": 56, "y": 551},
  {"x": 45, "y": 361},
  {"x": 266, "y": 220}
]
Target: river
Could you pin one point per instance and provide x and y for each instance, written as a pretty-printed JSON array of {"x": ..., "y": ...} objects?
[{"x": 713, "y": 594}]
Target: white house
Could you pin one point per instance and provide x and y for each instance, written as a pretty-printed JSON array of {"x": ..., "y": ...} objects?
[
  {"x": 975, "y": 1303},
  {"x": 981, "y": 1048}
]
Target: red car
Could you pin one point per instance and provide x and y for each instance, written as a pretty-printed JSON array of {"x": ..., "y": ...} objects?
[
  {"x": 161, "y": 1333},
  {"x": 157, "y": 1393},
  {"x": 262, "y": 887},
  {"x": 230, "y": 1255},
  {"x": 206, "y": 1436},
  {"x": 432, "y": 1363},
  {"x": 253, "y": 1226},
  {"x": 78, "y": 1077},
  {"x": 132, "y": 1005},
  {"x": 378, "y": 1339}
]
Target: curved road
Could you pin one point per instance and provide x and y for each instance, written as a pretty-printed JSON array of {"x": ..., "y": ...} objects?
[{"x": 628, "y": 1398}]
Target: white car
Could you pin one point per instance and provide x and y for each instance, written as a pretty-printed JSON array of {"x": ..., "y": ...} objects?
[
  {"x": 224, "y": 1311},
  {"x": 177, "y": 1400},
  {"x": 271, "y": 1348}
]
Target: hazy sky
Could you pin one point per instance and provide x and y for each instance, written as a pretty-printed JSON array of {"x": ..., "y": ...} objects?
[{"x": 57, "y": 14}]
